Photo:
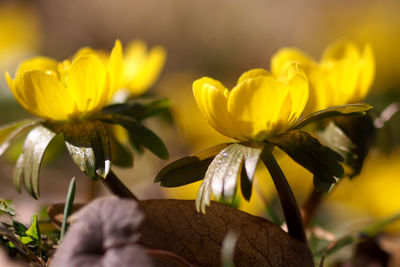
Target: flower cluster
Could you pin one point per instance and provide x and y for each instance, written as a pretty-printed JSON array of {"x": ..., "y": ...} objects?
[{"x": 267, "y": 109}]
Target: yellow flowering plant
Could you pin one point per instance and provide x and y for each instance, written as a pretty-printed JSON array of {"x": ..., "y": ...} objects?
[
  {"x": 261, "y": 111},
  {"x": 139, "y": 69},
  {"x": 343, "y": 75},
  {"x": 70, "y": 98}
]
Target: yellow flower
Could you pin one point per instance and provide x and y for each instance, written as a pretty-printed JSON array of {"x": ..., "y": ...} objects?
[
  {"x": 67, "y": 90},
  {"x": 260, "y": 106},
  {"x": 141, "y": 67},
  {"x": 343, "y": 76},
  {"x": 20, "y": 36}
]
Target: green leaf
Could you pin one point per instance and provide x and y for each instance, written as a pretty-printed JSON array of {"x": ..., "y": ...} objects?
[
  {"x": 324, "y": 182},
  {"x": 334, "y": 137},
  {"x": 6, "y": 208},
  {"x": 135, "y": 143},
  {"x": 141, "y": 134},
  {"x": 18, "y": 172},
  {"x": 246, "y": 184},
  {"x": 139, "y": 111},
  {"x": 188, "y": 169},
  {"x": 69, "y": 202},
  {"x": 251, "y": 158},
  {"x": 222, "y": 173},
  {"x": 11, "y": 131},
  {"x": 29, "y": 235},
  {"x": 344, "y": 110},
  {"x": 362, "y": 133},
  {"x": 121, "y": 155},
  {"x": 224, "y": 170},
  {"x": 19, "y": 228},
  {"x": 306, "y": 150},
  {"x": 29, "y": 162},
  {"x": 89, "y": 146},
  {"x": 34, "y": 231}
]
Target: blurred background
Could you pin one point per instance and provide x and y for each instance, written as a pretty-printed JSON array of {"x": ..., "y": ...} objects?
[{"x": 220, "y": 39}]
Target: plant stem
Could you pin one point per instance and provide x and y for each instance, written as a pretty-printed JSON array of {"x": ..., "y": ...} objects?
[
  {"x": 114, "y": 184},
  {"x": 69, "y": 202},
  {"x": 311, "y": 205},
  {"x": 290, "y": 208}
]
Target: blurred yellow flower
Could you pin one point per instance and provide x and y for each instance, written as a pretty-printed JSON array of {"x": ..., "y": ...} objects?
[
  {"x": 343, "y": 76},
  {"x": 374, "y": 193},
  {"x": 20, "y": 36},
  {"x": 260, "y": 106},
  {"x": 141, "y": 67},
  {"x": 67, "y": 90},
  {"x": 193, "y": 130}
]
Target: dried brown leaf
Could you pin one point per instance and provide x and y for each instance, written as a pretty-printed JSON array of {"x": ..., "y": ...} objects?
[{"x": 176, "y": 226}]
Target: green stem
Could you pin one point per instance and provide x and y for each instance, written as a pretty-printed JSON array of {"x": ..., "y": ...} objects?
[
  {"x": 114, "y": 184},
  {"x": 311, "y": 205},
  {"x": 290, "y": 208},
  {"x": 69, "y": 202}
]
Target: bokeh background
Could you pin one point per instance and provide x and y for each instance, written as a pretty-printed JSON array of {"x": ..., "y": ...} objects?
[{"x": 220, "y": 39}]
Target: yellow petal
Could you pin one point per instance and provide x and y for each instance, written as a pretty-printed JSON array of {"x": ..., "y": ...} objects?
[
  {"x": 87, "y": 86},
  {"x": 85, "y": 51},
  {"x": 257, "y": 104},
  {"x": 115, "y": 66},
  {"x": 341, "y": 62},
  {"x": 253, "y": 74},
  {"x": 133, "y": 60},
  {"x": 367, "y": 72},
  {"x": 321, "y": 94},
  {"x": 142, "y": 68},
  {"x": 44, "y": 64},
  {"x": 42, "y": 95},
  {"x": 297, "y": 84},
  {"x": 340, "y": 50},
  {"x": 211, "y": 98},
  {"x": 285, "y": 56},
  {"x": 17, "y": 93},
  {"x": 267, "y": 105}
]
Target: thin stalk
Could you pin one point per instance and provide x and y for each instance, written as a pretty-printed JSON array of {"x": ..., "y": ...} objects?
[
  {"x": 69, "y": 202},
  {"x": 290, "y": 208},
  {"x": 115, "y": 186},
  {"x": 311, "y": 205}
]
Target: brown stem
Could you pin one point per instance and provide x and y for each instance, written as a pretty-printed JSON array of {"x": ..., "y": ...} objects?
[
  {"x": 290, "y": 208},
  {"x": 311, "y": 205},
  {"x": 114, "y": 184}
]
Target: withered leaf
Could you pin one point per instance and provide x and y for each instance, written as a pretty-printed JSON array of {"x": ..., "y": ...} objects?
[{"x": 175, "y": 225}]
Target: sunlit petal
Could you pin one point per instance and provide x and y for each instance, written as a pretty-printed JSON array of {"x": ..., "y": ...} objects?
[
  {"x": 38, "y": 63},
  {"x": 87, "y": 85},
  {"x": 253, "y": 74},
  {"x": 45, "y": 96},
  {"x": 115, "y": 66},
  {"x": 211, "y": 97},
  {"x": 285, "y": 56},
  {"x": 367, "y": 71},
  {"x": 257, "y": 102},
  {"x": 142, "y": 67}
]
